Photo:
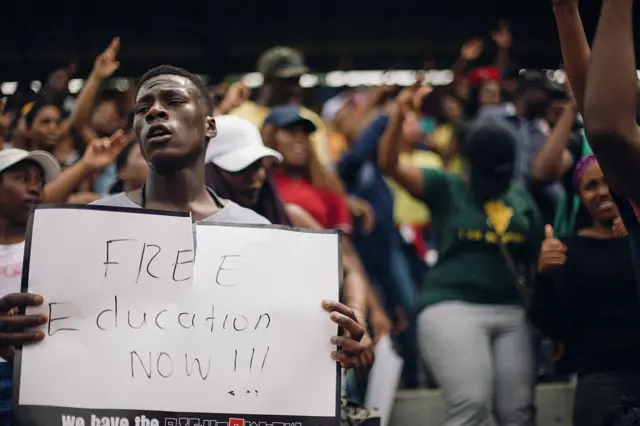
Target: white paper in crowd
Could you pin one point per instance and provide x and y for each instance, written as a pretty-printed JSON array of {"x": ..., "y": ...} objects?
[
  {"x": 384, "y": 379},
  {"x": 241, "y": 331}
]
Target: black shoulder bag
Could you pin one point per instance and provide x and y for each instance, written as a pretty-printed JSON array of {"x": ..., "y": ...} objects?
[{"x": 525, "y": 289}]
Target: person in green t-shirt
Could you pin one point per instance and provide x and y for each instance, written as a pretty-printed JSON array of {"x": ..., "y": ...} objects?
[{"x": 473, "y": 330}]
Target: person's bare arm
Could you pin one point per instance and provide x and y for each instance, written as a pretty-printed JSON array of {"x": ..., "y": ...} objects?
[
  {"x": 59, "y": 189},
  {"x": 553, "y": 160},
  {"x": 4, "y": 123},
  {"x": 356, "y": 288},
  {"x": 470, "y": 51},
  {"x": 99, "y": 154},
  {"x": 575, "y": 47},
  {"x": 610, "y": 100},
  {"x": 236, "y": 95},
  {"x": 407, "y": 176},
  {"x": 503, "y": 39},
  {"x": 104, "y": 66}
]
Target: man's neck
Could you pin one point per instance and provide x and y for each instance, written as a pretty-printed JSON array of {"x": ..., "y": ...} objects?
[
  {"x": 184, "y": 191},
  {"x": 11, "y": 233}
]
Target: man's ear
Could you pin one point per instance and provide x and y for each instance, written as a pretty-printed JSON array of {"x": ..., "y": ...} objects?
[{"x": 211, "y": 130}]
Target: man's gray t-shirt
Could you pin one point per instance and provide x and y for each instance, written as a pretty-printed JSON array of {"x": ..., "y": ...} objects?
[{"x": 230, "y": 212}]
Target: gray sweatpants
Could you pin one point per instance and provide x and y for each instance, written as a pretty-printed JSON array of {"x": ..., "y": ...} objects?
[{"x": 482, "y": 357}]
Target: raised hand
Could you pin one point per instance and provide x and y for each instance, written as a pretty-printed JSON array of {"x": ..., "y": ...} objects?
[
  {"x": 236, "y": 95},
  {"x": 4, "y": 120},
  {"x": 106, "y": 63},
  {"x": 406, "y": 100},
  {"x": 553, "y": 252},
  {"x": 472, "y": 49},
  {"x": 102, "y": 152},
  {"x": 502, "y": 36}
]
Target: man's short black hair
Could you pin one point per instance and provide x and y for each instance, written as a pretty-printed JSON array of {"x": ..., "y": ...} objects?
[{"x": 171, "y": 70}]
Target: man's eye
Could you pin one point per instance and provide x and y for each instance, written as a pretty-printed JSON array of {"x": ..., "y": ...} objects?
[
  {"x": 142, "y": 109},
  {"x": 176, "y": 101}
]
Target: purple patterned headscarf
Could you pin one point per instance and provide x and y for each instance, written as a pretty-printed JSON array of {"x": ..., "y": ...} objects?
[{"x": 582, "y": 165}]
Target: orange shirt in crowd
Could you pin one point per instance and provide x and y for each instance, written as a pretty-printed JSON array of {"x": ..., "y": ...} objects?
[{"x": 327, "y": 207}]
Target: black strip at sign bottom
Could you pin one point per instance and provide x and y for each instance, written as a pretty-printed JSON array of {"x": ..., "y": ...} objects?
[{"x": 41, "y": 415}]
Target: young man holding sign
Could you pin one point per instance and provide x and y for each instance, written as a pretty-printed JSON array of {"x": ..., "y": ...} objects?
[{"x": 173, "y": 122}]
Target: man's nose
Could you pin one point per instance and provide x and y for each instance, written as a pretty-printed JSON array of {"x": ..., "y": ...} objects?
[{"x": 156, "y": 111}]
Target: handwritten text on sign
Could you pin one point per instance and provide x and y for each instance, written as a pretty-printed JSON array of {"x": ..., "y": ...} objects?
[{"x": 138, "y": 322}]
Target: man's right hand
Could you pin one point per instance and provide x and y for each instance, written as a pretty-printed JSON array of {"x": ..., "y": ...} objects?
[
  {"x": 14, "y": 327},
  {"x": 553, "y": 252}
]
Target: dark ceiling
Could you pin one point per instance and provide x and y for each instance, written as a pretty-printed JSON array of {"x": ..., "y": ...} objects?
[{"x": 217, "y": 38}]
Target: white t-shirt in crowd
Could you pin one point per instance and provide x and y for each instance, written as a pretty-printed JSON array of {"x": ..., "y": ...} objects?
[
  {"x": 10, "y": 267},
  {"x": 230, "y": 213},
  {"x": 11, "y": 256}
]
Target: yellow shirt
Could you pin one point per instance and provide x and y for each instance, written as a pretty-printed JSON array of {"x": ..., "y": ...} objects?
[
  {"x": 256, "y": 114},
  {"x": 407, "y": 210},
  {"x": 442, "y": 137}
]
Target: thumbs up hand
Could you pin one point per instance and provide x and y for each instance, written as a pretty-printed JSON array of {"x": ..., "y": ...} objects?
[{"x": 553, "y": 252}]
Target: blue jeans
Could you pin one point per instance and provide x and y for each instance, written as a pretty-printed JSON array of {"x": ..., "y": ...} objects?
[
  {"x": 6, "y": 390},
  {"x": 388, "y": 268},
  {"x": 354, "y": 389}
]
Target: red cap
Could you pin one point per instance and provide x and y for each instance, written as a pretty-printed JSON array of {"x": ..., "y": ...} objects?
[{"x": 481, "y": 74}]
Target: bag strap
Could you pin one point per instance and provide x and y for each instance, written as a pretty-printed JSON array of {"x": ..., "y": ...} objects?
[
  {"x": 518, "y": 279},
  {"x": 511, "y": 264}
]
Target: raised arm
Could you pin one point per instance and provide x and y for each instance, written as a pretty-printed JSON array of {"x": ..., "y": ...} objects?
[
  {"x": 503, "y": 39},
  {"x": 553, "y": 160},
  {"x": 103, "y": 68},
  {"x": 99, "y": 154},
  {"x": 574, "y": 46},
  {"x": 4, "y": 123},
  {"x": 407, "y": 176},
  {"x": 610, "y": 100}
]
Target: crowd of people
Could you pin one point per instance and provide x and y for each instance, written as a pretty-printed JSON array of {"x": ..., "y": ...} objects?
[{"x": 489, "y": 225}]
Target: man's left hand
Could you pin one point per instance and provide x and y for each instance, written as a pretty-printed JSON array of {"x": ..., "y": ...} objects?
[{"x": 350, "y": 343}]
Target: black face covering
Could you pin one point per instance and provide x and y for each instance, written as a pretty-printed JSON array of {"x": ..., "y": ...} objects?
[{"x": 487, "y": 185}]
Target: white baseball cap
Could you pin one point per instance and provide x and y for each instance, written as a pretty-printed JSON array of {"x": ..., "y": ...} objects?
[
  {"x": 11, "y": 156},
  {"x": 237, "y": 145}
]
